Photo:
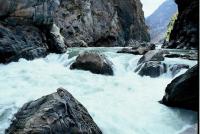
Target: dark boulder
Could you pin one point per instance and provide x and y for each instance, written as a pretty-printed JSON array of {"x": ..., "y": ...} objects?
[
  {"x": 138, "y": 48},
  {"x": 152, "y": 69},
  {"x": 128, "y": 51},
  {"x": 153, "y": 55},
  {"x": 21, "y": 42},
  {"x": 183, "y": 91},
  {"x": 193, "y": 55},
  {"x": 57, "y": 113},
  {"x": 176, "y": 68},
  {"x": 94, "y": 62}
]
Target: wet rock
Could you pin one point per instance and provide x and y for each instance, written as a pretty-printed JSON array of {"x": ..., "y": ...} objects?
[
  {"x": 128, "y": 51},
  {"x": 63, "y": 23},
  {"x": 172, "y": 55},
  {"x": 58, "y": 113},
  {"x": 94, "y": 62},
  {"x": 193, "y": 55},
  {"x": 152, "y": 69},
  {"x": 21, "y": 42},
  {"x": 153, "y": 55},
  {"x": 176, "y": 68},
  {"x": 185, "y": 33},
  {"x": 191, "y": 130},
  {"x": 138, "y": 49},
  {"x": 183, "y": 91}
]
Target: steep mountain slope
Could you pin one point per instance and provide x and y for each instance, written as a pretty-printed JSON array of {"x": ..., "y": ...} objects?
[
  {"x": 158, "y": 21},
  {"x": 185, "y": 34}
]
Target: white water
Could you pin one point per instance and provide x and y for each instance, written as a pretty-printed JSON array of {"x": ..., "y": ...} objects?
[{"x": 121, "y": 104}]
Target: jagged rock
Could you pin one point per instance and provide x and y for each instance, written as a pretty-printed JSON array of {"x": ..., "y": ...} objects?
[
  {"x": 183, "y": 91},
  {"x": 72, "y": 23},
  {"x": 28, "y": 31},
  {"x": 176, "y": 68},
  {"x": 128, "y": 51},
  {"x": 152, "y": 69},
  {"x": 101, "y": 22},
  {"x": 138, "y": 49},
  {"x": 21, "y": 42},
  {"x": 94, "y": 62},
  {"x": 57, "y": 113},
  {"x": 153, "y": 55},
  {"x": 185, "y": 33},
  {"x": 190, "y": 56}
]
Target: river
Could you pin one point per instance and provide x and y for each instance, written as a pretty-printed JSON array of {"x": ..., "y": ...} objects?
[{"x": 125, "y": 103}]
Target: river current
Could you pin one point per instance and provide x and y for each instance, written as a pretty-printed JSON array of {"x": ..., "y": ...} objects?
[{"x": 125, "y": 103}]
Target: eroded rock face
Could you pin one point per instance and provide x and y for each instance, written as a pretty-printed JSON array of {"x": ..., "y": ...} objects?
[
  {"x": 138, "y": 48},
  {"x": 57, "y": 113},
  {"x": 94, "y": 62},
  {"x": 70, "y": 23},
  {"x": 183, "y": 91},
  {"x": 101, "y": 22},
  {"x": 186, "y": 28},
  {"x": 151, "y": 68},
  {"x": 153, "y": 55},
  {"x": 27, "y": 30},
  {"x": 176, "y": 68},
  {"x": 150, "y": 64}
]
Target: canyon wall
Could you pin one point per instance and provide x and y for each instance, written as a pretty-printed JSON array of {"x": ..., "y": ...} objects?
[
  {"x": 33, "y": 28},
  {"x": 185, "y": 34}
]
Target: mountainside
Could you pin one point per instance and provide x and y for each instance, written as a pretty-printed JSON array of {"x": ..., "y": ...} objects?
[
  {"x": 185, "y": 34},
  {"x": 158, "y": 21},
  {"x": 30, "y": 28}
]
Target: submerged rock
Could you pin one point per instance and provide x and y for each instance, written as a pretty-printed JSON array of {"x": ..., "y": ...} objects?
[
  {"x": 152, "y": 69},
  {"x": 94, "y": 62},
  {"x": 57, "y": 113},
  {"x": 183, "y": 91}
]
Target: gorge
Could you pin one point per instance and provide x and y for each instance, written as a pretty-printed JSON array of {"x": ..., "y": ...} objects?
[{"x": 109, "y": 78}]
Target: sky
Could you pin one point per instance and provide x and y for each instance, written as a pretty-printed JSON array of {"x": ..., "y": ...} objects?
[{"x": 149, "y": 6}]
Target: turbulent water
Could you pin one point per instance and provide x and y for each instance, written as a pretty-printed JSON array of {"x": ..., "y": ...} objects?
[{"x": 121, "y": 104}]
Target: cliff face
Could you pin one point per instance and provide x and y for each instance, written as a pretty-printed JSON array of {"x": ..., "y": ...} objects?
[
  {"x": 158, "y": 21},
  {"x": 185, "y": 32},
  {"x": 101, "y": 22},
  {"x": 30, "y": 28}
]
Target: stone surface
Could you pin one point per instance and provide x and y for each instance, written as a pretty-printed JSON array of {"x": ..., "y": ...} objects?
[
  {"x": 57, "y": 113},
  {"x": 151, "y": 68},
  {"x": 62, "y": 23},
  {"x": 153, "y": 55},
  {"x": 138, "y": 48},
  {"x": 183, "y": 91},
  {"x": 94, "y": 62},
  {"x": 176, "y": 68},
  {"x": 185, "y": 34}
]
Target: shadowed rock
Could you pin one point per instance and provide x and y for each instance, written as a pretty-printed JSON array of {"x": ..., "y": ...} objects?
[
  {"x": 185, "y": 33},
  {"x": 153, "y": 55},
  {"x": 183, "y": 91},
  {"x": 152, "y": 69},
  {"x": 176, "y": 68},
  {"x": 138, "y": 49},
  {"x": 57, "y": 113},
  {"x": 94, "y": 62}
]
